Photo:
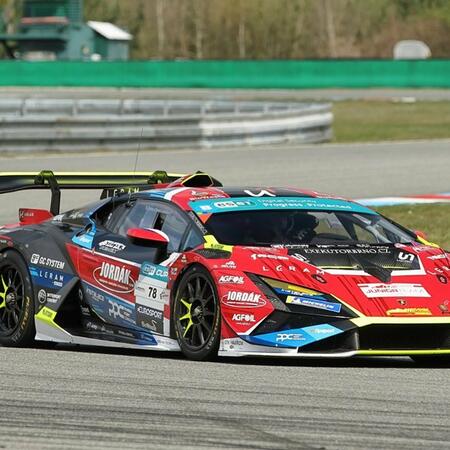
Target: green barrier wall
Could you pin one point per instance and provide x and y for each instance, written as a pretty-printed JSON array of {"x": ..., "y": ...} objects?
[{"x": 229, "y": 74}]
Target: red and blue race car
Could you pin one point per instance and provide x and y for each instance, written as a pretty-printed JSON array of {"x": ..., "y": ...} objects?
[{"x": 170, "y": 262}]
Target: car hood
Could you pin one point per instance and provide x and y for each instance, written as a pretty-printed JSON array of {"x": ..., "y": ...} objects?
[{"x": 374, "y": 280}]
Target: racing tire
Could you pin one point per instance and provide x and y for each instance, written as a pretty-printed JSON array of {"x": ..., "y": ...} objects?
[
  {"x": 17, "y": 327},
  {"x": 432, "y": 360},
  {"x": 196, "y": 315}
]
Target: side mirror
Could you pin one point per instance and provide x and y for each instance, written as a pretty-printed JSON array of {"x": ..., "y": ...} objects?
[{"x": 154, "y": 238}]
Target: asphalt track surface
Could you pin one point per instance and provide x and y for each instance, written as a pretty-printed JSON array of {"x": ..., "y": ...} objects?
[
  {"x": 76, "y": 398},
  {"x": 351, "y": 170}
]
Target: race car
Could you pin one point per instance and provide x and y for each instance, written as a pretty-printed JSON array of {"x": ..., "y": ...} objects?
[{"x": 180, "y": 263}]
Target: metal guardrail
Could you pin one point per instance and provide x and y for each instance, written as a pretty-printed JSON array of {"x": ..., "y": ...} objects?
[{"x": 90, "y": 124}]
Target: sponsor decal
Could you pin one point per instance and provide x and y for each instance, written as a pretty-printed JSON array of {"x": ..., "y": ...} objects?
[
  {"x": 150, "y": 312},
  {"x": 319, "y": 278},
  {"x": 199, "y": 224},
  {"x": 23, "y": 213},
  {"x": 406, "y": 257},
  {"x": 48, "y": 262},
  {"x": 444, "y": 307},
  {"x": 229, "y": 265},
  {"x": 322, "y": 331},
  {"x": 49, "y": 278},
  {"x": 53, "y": 298},
  {"x": 124, "y": 190},
  {"x": 260, "y": 193},
  {"x": 243, "y": 319},
  {"x": 150, "y": 318},
  {"x": 85, "y": 237},
  {"x": 152, "y": 295},
  {"x": 155, "y": 271},
  {"x": 231, "y": 279},
  {"x": 436, "y": 257},
  {"x": 238, "y": 299},
  {"x": 47, "y": 297},
  {"x": 118, "y": 311},
  {"x": 286, "y": 291},
  {"x": 281, "y": 337},
  {"x": 348, "y": 251},
  {"x": 442, "y": 279},
  {"x": 256, "y": 256},
  {"x": 42, "y": 296},
  {"x": 373, "y": 290},
  {"x": 114, "y": 277},
  {"x": 111, "y": 246},
  {"x": 262, "y": 203},
  {"x": 125, "y": 334},
  {"x": 409, "y": 312},
  {"x": 297, "y": 337},
  {"x": 314, "y": 303},
  {"x": 300, "y": 257},
  {"x": 232, "y": 204},
  {"x": 422, "y": 248},
  {"x": 234, "y": 342},
  {"x": 95, "y": 295},
  {"x": 202, "y": 195},
  {"x": 84, "y": 240},
  {"x": 76, "y": 214}
]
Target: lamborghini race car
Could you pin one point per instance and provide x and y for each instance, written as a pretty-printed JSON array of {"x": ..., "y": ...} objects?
[{"x": 180, "y": 263}]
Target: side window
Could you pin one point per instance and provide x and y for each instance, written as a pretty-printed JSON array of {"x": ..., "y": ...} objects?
[
  {"x": 173, "y": 224},
  {"x": 151, "y": 214},
  {"x": 114, "y": 216},
  {"x": 141, "y": 215},
  {"x": 193, "y": 239}
]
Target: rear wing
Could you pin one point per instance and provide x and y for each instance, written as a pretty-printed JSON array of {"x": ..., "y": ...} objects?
[
  {"x": 112, "y": 183},
  {"x": 108, "y": 181}
]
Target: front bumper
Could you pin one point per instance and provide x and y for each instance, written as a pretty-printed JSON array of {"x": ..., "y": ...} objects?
[{"x": 361, "y": 336}]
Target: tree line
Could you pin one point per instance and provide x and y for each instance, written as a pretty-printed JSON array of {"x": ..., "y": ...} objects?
[{"x": 270, "y": 29}]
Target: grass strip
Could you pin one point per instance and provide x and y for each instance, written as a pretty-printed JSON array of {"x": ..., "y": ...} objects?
[{"x": 369, "y": 121}]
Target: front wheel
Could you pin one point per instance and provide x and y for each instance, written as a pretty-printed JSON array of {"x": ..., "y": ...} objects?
[
  {"x": 432, "y": 360},
  {"x": 196, "y": 315},
  {"x": 16, "y": 302}
]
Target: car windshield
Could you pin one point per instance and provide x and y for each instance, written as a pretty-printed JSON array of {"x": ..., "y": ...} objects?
[{"x": 300, "y": 227}]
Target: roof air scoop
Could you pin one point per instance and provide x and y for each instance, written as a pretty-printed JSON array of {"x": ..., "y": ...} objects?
[{"x": 196, "y": 180}]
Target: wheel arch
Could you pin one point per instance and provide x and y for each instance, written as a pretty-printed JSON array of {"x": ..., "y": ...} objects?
[{"x": 174, "y": 290}]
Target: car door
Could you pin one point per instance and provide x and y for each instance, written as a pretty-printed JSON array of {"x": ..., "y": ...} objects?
[{"x": 126, "y": 280}]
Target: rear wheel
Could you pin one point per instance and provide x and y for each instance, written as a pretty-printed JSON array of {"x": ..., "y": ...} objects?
[
  {"x": 196, "y": 315},
  {"x": 16, "y": 302},
  {"x": 432, "y": 360}
]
